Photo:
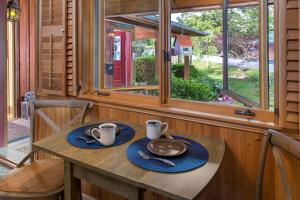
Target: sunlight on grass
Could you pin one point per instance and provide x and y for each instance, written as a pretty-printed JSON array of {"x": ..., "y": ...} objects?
[{"x": 243, "y": 82}]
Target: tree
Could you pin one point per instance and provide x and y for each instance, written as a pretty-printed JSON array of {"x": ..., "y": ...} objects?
[{"x": 242, "y": 31}]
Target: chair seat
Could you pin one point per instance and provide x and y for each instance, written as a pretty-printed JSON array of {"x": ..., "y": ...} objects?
[{"x": 38, "y": 177}]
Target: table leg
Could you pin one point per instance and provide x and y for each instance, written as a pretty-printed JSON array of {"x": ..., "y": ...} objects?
[
  {"x": 72, "y": 185},
  {"x": 137, "y": 195}
]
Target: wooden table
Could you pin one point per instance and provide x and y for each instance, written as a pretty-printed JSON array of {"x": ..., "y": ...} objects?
[{"x": 109, "y": 168}]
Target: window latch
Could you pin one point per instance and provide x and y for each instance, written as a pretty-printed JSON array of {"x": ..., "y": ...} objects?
[
  {"x": 247, "y": 112},
  {"x": 167, "y": 56}
]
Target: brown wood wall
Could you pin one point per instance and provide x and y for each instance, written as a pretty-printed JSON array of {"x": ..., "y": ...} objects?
[
  {"x": 236, "y": 177},
  {"x": 27, "y": 42}
]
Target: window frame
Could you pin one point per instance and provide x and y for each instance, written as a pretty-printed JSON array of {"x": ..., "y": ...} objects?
[{"x": 164, "y": 99}]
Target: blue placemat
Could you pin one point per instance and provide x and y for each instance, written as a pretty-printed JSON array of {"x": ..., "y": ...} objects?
[
  {"x": 195, "y": 157},
  {"x": 126, "y": 133}
]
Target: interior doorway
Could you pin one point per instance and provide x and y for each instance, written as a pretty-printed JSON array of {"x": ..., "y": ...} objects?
[{"x": 18, "y": 76}]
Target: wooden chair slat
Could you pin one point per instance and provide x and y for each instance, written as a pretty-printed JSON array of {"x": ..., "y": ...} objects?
[
  {"x": 62, "y": 103},
  {"x": 71, "y": 122},
  {"x": 280, "y": 166},
  {"x": 48, "y": 120},
  {"x": 261, "y": 165},
  {"x": 28, "y": 156}
]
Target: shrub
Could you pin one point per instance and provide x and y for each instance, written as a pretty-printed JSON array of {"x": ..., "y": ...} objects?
[
  {"x": 253, "y": 75},
  {"x": 178, "y": 70},
  {"x": 144, "y": 69},
  {"x": 196, "y": 75},
  {"x": 191, "y": 90}
]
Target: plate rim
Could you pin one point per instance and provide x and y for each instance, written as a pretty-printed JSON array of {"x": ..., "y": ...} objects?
[{"x": 168, "y": 140}]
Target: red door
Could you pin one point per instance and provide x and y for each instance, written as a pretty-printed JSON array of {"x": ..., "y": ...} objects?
[{"x": 119, "y": 59}]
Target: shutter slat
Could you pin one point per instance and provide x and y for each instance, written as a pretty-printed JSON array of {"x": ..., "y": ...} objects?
[{"x": 52, "y": 44}]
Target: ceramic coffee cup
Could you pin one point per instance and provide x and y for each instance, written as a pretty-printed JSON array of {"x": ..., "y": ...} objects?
[
  {"x": 105, "y": 134},
  {"x": 155, "y": 129}
]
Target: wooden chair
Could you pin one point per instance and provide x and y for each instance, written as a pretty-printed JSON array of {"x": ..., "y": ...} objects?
[
  {"x": 278, "y": 141},
  {"x": 41, "y": 179}
]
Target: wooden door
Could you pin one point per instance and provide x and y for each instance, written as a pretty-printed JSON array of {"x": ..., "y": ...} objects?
[
  {"x": 119, "y": 59},
  {"x": 52, "y": 56}
]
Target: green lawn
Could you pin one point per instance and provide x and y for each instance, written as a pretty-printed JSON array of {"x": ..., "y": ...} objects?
[{"x": 242, "y": 82}]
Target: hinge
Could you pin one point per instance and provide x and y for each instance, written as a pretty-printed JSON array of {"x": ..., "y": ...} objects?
[
  {"x": 276, "y": 111},
  {"x": 78, "y": 88},
  {"x": 246, "y": 112},
  {"x": 167, "y": 56}
]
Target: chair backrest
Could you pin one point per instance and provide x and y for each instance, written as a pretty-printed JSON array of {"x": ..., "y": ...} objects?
[
  {"x": 277, "y": 141},
  {"x": 36, "y": 106}
]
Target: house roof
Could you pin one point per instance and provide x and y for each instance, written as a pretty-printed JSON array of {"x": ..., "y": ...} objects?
[
  {"x": 177, "y": 26},
  {"x": 152, "y": 23}
]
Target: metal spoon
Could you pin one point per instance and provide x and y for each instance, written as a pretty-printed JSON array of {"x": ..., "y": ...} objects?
[
  {"x": 86, "y": 140},
  {"x": 143, "y": 155},
  {"x": 170, "y": 137}
]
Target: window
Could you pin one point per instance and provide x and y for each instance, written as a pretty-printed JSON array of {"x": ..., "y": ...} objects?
[
  {"x": 213, "y": 53},
  {"x": 196, "y": 47},
  {"x": 243, "y": 55},
  {"x": 271, "y": 58},
  {"x": 131, "y": 48},
  {"x": 216, "y": 55}
]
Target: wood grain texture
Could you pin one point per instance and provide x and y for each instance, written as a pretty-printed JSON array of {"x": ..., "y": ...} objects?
[
  {"x": 24, "y": 47},
  {"x": 240, "y": 161},
  {"x": 289, "y": 59},
  {"x": 3, "y": 29},
  {"x": 52, "y": 47},
  {"x": 112, "y": 167}
]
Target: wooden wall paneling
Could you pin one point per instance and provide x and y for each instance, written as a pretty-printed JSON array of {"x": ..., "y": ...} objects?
[
  {"x": 121, "y": 7},
  {"x": 33, "y": 43},
  {"x": 291, "y": 166},
  {"x": 24, "y": 82},
  {"x": 26, "y": 47}
]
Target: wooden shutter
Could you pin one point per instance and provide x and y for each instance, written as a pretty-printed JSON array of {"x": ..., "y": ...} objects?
[
  {"x": 289, "y": 63},
  {"x": 52, "y": 55},
  {"x": 71, "y": 48}
]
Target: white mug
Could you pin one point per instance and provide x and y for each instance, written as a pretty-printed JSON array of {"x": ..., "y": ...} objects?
[
  {"x": 155, "y": 129},
  {"x": 105, "y": 134}
]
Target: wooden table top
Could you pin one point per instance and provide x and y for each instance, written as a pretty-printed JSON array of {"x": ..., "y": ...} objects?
[{"x": 113, "y": 163}]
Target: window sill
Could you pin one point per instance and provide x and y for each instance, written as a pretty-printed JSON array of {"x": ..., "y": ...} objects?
[{"x": 199, "y": 112}]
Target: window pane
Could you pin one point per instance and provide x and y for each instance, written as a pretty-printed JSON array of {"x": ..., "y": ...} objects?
[
  {"x": 197, "y": 63},
  {"x": 131, "y": 51},
  {"x": 271, "y": 56},
  {"x": 96, "y": 63},
  {"x": 243, "y": 52}
]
